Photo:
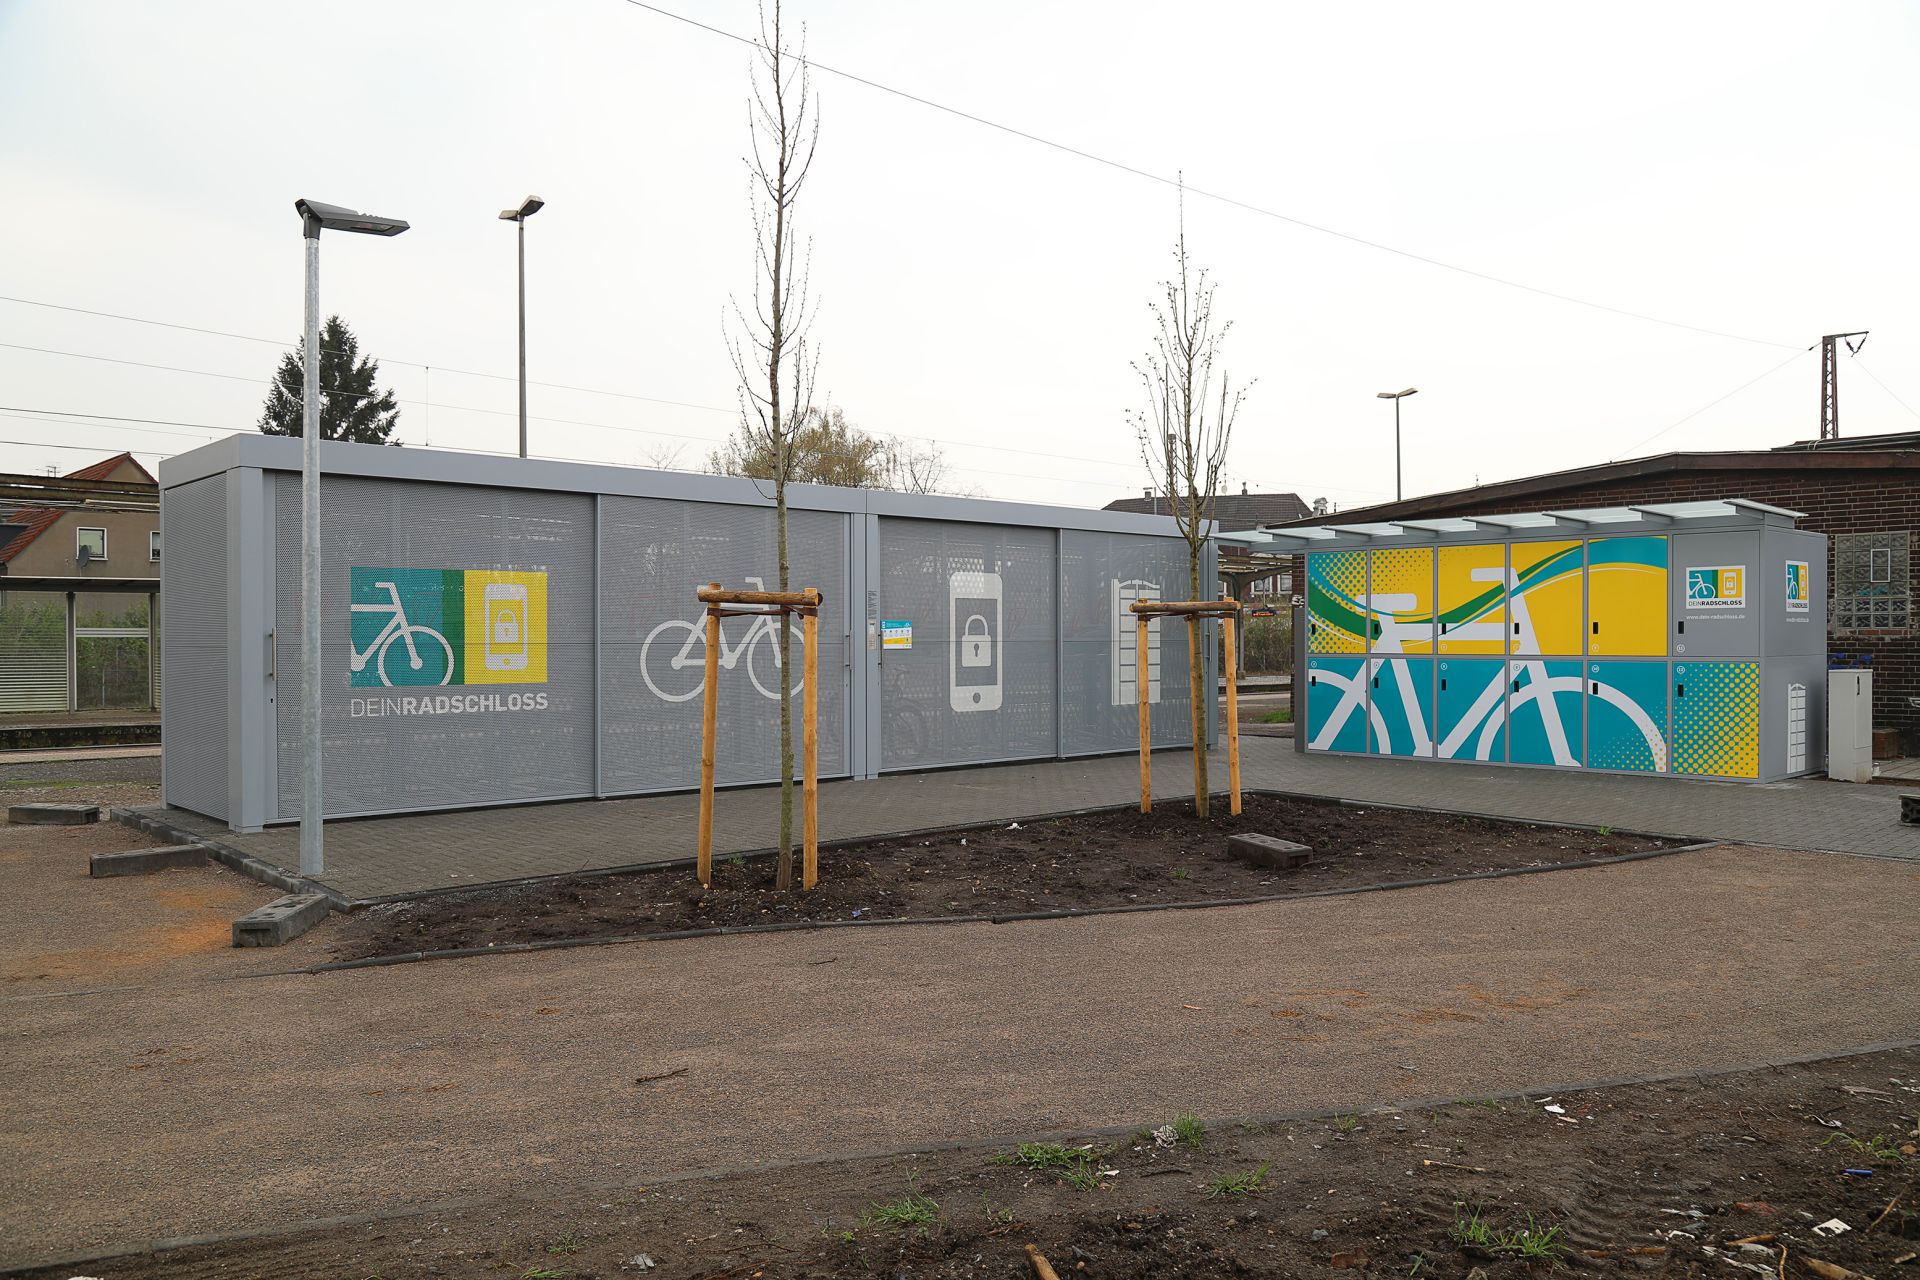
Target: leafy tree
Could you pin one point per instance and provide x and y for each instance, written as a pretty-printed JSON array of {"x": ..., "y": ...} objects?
[
  {"x": 827, "y": 449},
  {"x": 350, "y": 407}
]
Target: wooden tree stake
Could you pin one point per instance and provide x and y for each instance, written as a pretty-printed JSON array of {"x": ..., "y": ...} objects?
[
  {"x": 1195, "y": 612},
  {"x": 708, "y": 721},
  {"x": 810, "y": 676},
  {"x": 1228, "y": 624},
  {"x": 1146, "y": 730}
]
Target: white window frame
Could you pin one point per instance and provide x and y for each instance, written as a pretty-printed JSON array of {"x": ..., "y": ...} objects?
[
  {"x": 83, "y": 529},
  {"x": 153, "y": 545}
]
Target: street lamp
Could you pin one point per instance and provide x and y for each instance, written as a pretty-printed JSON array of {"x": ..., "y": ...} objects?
[
  {"x": 315, "y": 218},
  {"x": 1396, "y": 397},
  {"x": 528, "y": 207}
]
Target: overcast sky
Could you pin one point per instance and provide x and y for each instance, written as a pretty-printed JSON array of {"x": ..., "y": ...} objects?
[{"x": 1747, "y": 168}]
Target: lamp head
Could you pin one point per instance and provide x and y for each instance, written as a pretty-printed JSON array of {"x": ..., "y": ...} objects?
[
  {"x": 1395, "y": 395},
  {"x": 528, "y": 207},
  {"x": 333, "y": 217}
]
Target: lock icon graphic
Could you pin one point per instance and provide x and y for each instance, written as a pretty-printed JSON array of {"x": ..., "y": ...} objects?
[
  {"x": 506, "y": 627},
  {"x": 976, "y": 645}
]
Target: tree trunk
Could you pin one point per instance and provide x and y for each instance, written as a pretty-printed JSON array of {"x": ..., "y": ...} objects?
[
  {"x": 1196, "y": 680},
  {"x": 783, "y": 871}
]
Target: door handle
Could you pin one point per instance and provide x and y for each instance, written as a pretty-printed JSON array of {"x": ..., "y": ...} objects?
[
  {"x": 1681, "y": 626},
  {"x": 1596, "y": 626},
  {"x": 1679, "y": 691},
  {"x": 1443, "y": 684}
]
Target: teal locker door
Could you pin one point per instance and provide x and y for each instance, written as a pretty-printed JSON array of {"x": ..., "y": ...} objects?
[
  {"x": 1627, "y": 716},
  {"x": 1544, "y": 713},
  {"x": 1336, "y": 704},
  {"x": 1401, "y": 694},
  {"x": 1470, "y": 709}
]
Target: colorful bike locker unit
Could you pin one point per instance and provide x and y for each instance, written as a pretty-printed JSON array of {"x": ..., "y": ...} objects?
[{"x": 1676, "y": 638}]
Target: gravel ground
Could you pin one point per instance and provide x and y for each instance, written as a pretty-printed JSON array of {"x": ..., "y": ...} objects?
[
  {"x": 62, "y": 930},
  {"x": 211, "y": 1106}
]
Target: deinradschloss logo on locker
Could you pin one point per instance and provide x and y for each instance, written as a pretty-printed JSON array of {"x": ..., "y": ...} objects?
[{"x": 446, "y": 629}]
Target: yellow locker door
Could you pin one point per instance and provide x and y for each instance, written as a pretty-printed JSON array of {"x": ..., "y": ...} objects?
[
  {"x": 1549, "y": 597},
  {"x": 1627, "y": 596},
  {"x": 1472, "y": 598},
  {"x": 1400, "y": 600}
]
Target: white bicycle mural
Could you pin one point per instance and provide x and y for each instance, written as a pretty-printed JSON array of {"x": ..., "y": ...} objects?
[
  {"x": 681, "y": 660},
  {"x": 1494, "y": 705},
  {"x": 398, "y": 631}
]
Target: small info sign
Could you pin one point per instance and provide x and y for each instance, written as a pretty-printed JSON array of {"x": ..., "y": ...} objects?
[{"x": 896, "y": 633}]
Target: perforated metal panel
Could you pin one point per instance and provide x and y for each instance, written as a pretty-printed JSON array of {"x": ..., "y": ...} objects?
[
  {"x": 1101, "y": 574},
  {"x": 193, "y": 582},
  {"x": 978, "y": 683},
  {"x": 483, "y": 735},
  {"x": 655, "y": 553}
]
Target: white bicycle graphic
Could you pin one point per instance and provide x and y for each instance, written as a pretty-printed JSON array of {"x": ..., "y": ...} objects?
[
  {"x": 401, "y": 632},
  {"x": 685, "y": 673}
]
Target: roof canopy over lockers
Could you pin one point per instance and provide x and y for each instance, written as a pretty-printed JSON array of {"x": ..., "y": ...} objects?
[
  {"x": 502, "y": 630},
  {"x": 1684, "y": 638}
]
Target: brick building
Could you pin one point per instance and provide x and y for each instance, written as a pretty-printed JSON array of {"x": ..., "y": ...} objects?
[{"x": 1864, "y": 493}]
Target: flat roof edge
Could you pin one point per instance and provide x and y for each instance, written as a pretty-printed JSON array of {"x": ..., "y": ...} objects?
[{"x": 244, "y": 450}]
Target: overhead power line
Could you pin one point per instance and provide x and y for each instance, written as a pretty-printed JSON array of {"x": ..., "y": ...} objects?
[
  {"x": 1711, "y": 403},
  {"x": 1178, "y": 183}
]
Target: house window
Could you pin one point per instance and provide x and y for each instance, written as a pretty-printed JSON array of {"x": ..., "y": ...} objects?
[
  {"x": 153, "y": 546},
  {"x": 90, "y": 544},
  {"x": 1872, "y": 582}
]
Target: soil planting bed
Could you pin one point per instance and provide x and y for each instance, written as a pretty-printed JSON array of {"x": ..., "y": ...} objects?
[
  {"x": 1720, "y": 1178},
  {"x": 1111, "y": 859}
]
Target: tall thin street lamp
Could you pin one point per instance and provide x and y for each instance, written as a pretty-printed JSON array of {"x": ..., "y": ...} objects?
[
  {"x": 315, "y": 218},
  {"x": 1396, "y": 397},
  {"x": 528, "y": 207}
]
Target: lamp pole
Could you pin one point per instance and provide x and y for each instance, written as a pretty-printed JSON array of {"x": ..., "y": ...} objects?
[
  {"x": 315, "y": 217},
  {"x": 528, "y": 207},
  {"x": 1396, "y": 397}
]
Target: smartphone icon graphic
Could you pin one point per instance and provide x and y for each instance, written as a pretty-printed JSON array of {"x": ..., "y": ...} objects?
[
  {"x": 975, "y": 644},
  {"x": 503, "y": 610}
]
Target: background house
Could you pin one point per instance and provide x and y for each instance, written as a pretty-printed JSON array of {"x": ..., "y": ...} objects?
[
  {"x": 79, "y": 585},
  {"x": 1243, "y": 576}
]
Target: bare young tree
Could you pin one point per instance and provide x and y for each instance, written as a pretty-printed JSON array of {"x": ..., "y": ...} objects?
[
  {"x": 772, "y": 356},
  {"x": 663, "y": 456},
  {"x": 916, "y": 467},
  {"x": 1183, "y": 433}
]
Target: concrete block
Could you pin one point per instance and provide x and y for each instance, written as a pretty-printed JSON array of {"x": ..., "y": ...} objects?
[
  {"x": 1909, "y": 803},
  {"x": 53, "y": 815},
  {"x": 140, "y": 862},
  {"x": 1268, "y": 851},
  {"x": 280, "y": 921}
]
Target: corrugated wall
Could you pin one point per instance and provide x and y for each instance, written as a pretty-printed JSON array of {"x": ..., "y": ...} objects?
[{"x": 193, "y": 582}]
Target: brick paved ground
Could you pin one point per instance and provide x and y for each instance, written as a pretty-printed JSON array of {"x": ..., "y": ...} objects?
[{"x": 379, "y": 857}]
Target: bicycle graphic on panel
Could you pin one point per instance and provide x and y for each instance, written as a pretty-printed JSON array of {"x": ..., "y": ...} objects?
[
  {"x": 400, "y": 634},
  {"x": 684, "y": 673},
  {"x": 1517, "y": 683}
]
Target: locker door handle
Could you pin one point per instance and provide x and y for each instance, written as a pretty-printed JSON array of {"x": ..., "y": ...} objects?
[
  {"x": 1681, "y": 626},
  {"x": 1312, "y": 681},
  {"x": 1596, "y": 687},
  {"x": 1516, "y": 628},
  {"x": 1376, "y": 682},
  {"x": 1596, "y": 627},
  {"x": 1516, "y": 686},
  {"x": 1443, "y": 628},
  {"x": 1443, "y": 683},
  {"x": 1679, "y": 691}
]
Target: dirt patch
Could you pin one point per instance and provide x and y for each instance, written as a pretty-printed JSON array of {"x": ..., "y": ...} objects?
[
  {"x": 1689, "y": 1178},
  {"x": 1112, "y": 859}
]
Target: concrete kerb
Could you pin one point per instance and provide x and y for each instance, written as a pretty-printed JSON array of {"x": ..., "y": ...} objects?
[
  {"x": 1266, "y": 1119},
  {"x": 244, "y": 863},
  {"x": 1070, "y": 913}
]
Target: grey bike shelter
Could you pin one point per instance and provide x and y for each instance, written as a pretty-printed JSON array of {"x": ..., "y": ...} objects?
[{"x": 956, "y": 631}]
